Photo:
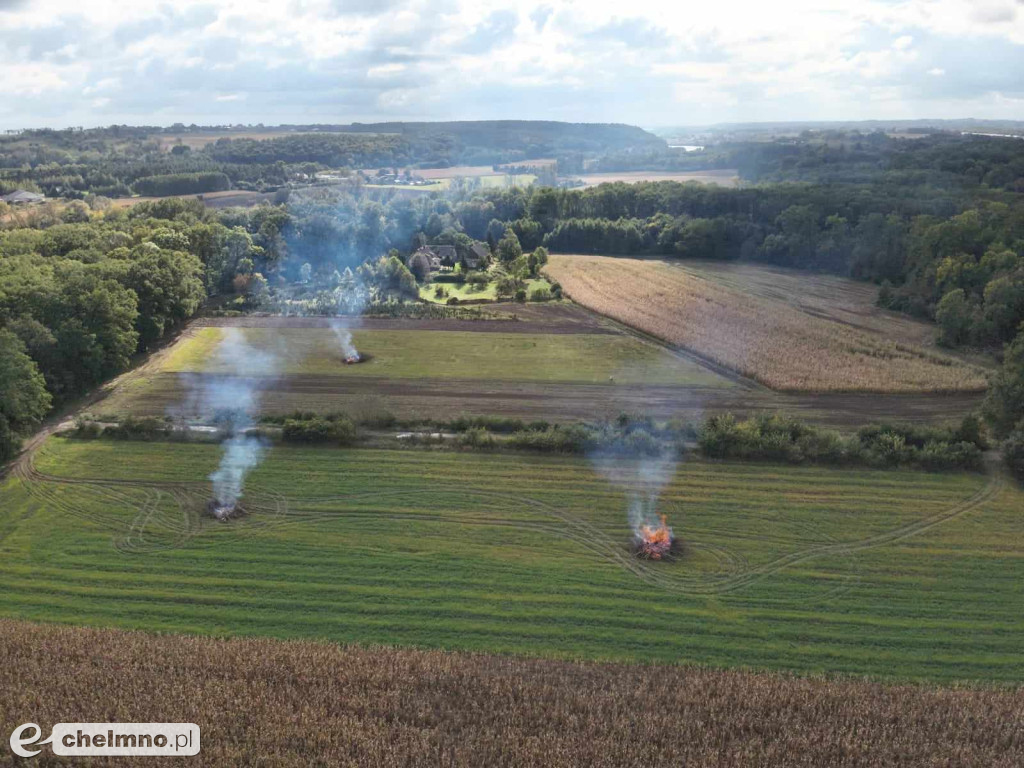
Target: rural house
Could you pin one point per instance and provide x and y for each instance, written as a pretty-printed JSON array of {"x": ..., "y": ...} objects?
[
  {"x": 478, "y": 255},
  {"x": 22, "y": 197},
  {"x": 437, "y": 256}
]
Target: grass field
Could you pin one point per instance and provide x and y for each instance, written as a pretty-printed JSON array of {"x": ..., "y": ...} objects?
[
  {"x": 385, "y": 707},
  {"x": 765, "y": 333},
  {"x": 312, "y": 355},
  {"x": 894, "y": 574}
]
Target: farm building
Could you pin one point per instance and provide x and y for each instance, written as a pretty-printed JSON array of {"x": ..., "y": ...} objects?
[{"x": 22, "y": 197}]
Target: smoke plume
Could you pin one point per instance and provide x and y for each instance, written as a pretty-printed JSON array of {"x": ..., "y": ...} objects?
[{"x": 229, "y": 391}]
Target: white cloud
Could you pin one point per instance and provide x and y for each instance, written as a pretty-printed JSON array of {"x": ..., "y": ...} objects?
[{"x": 647, "y": 62}]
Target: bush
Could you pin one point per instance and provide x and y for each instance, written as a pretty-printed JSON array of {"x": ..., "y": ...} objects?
[
  {"x": 339, "y": 430},
  {"x": 937, "y": 456},
  {"x": 1013, "y": 451},
  {"x": 541, "y": 293},
  {"x": 449, "y": 277},
  {"x": 453, "y": 301},
  {"x": 132, "y": 428},
  {"x": 557, "y": 439},
  {"x": 478, "y": 280},
  {"x": 520, "y": 295},
  {"x": 501, "y": 424},
  {"x": 85, "y": 429},
  {"x": 781, "y": 438},
  {"x": 477, "y": 437}
]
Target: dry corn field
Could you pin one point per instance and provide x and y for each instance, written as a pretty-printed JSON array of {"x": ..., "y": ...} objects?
[
  {"x": 770, "y": 340},
  {"x": 272, "y": 702}
]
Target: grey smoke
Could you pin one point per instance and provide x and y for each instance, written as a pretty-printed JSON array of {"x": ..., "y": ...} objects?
[
  {"x": 641, "y": 476},
  {"x": 230, "y": 391},
  {"x": 241, "y": 453},
  {"x": 351, "y": 298}
]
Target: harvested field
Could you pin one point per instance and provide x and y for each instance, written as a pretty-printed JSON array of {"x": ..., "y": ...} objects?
[
  {"x": 727, "y": 177},
  {"x": 788, "y": 568},
  {"x": 785, "y": 344},
  {"x": 388, "y": 707}
]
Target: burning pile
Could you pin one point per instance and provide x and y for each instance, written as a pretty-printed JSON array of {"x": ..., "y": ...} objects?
[
  {"x": 223, "y": 510},
  {"x": 352, "y": 359},
  {"x": 654, "y": 542}
]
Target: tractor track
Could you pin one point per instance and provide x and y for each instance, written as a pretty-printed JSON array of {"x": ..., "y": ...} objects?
[{"x": 269, "y": 510}]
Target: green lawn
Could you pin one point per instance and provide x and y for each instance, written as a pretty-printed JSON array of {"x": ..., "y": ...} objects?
[
  {"x": 528, "y": 555},
  {"x": 457, "y": 355},
  {"x": 468, "y": 292}
]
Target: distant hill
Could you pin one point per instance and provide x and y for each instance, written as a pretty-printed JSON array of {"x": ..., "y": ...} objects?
[{"x": 483, "y": 142}]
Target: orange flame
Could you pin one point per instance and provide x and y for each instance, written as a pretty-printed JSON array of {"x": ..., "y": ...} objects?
[{"x": 654, "y": 542}]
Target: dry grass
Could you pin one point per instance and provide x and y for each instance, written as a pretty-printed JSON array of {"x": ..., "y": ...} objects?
[
  {"x": 270, "y": 702},
  {"x": 772, "y": 339}
]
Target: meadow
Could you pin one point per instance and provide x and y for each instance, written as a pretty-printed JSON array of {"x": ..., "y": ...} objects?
[
  {"x": 765, "y": 333},
  {"x": 400, "y": 707},
  {"x": 460, "y": 364},
  {"x": 893, "y": 574}
]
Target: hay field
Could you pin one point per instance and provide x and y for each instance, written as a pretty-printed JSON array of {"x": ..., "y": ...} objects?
[
  {"x": 773, "y": 338},
  {"x": 906, "y": 575},
  {"x": 254, "y": 698}
]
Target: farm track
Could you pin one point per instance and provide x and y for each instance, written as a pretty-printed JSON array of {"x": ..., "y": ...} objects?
[{"x": 153, "y": 530}]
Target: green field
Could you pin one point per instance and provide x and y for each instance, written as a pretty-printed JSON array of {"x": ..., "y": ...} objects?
[
  {"x": 894, "y": 574},
  {"x": 467, "y": 292},
  {"x": 581, "y": 357}
]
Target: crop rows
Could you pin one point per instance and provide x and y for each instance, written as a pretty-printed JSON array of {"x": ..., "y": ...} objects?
[{"x": 306, "y": 703}]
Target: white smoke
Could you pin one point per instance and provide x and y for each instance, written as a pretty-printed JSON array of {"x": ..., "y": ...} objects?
[
  {"x": 241, "y": 453},
  {"x": 229, "y": 391},
  {"x": 351, "y": 299},
  {"x": 642, "y": 478}
]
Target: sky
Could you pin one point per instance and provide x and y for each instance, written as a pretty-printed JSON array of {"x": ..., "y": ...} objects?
[{"x": 665, "y": 63}]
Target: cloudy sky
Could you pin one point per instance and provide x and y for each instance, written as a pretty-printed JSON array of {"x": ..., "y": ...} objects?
[{"x": 646, "y": 62}]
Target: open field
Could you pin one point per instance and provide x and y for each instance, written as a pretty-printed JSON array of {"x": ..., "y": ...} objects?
[
  {"x": 226, "y": 199},
  {"x": 200, "y": 140},
  {"x": 727, "y": 177},
  {"x": 802, "y": 569},
  {"x": 477, "y": 378},
  {"x": 470, "y": 357},
  {"x": 386, "y": 707},
  {"x": 752, "y": 326}
]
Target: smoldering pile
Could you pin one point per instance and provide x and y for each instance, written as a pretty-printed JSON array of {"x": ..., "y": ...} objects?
[{"x": 224, "y": 510}]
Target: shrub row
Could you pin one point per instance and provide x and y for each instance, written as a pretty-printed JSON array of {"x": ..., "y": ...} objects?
[
  {"x": 781, "y": 438},
  {"x": 336, "y": 429}
]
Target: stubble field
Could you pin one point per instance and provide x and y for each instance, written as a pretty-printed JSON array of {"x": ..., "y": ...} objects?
[{"x": 771, "y": 334}]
